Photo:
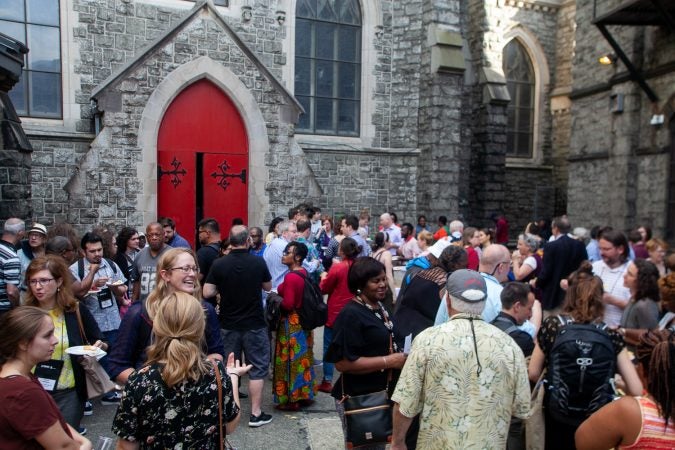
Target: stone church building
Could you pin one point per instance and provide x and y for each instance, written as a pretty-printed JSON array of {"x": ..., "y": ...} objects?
[{"x": 244, "y": 108}]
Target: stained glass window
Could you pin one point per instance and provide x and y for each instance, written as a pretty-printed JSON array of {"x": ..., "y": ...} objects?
[{"x": 328, "y": 66}]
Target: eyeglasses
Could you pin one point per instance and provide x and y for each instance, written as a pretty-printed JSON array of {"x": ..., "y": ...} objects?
[
  {"x": 186, "y": 269},
  {"x": 40, "y": 281},
  {"x": 499, "y": 264},
  {"x": 155, "y": 235}
]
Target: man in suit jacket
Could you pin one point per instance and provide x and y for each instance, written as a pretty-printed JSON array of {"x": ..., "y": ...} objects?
[{"x": 562, "y": 256}]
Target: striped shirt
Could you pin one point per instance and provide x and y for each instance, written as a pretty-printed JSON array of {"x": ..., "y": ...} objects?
[
  {"x": 653, "y": 434},
  {"x": 10, "y": 270}
]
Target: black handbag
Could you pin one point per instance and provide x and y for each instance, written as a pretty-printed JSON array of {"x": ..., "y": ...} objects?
[
  {"x": 368, "y": 419},
  {"x": 369, "y": 416}
]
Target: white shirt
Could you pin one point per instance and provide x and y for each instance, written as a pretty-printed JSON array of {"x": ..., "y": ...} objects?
[
  {"x": 612, "y": 282},
  {"x": 395, "y": 238}
]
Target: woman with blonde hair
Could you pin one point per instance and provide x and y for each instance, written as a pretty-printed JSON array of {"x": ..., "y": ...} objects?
[
  {"x": 175, "y": 398},
  {"x": 50, "y": 288},
  {"x": 657, "y": 249},
  {"x": 177, "y": 271},
  {"x": 29, "y": 417}
]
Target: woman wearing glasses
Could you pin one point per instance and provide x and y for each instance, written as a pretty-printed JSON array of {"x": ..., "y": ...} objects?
[
  {"x": 177, "y": 270},
  {"x": 49, "y": 288}
]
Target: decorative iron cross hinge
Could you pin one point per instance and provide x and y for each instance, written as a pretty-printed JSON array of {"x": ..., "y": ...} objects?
[
  {"x": 176, "y": 173},
  {"x": 223, "y": 175}
]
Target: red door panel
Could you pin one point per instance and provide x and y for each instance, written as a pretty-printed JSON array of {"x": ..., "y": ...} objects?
[
  {"x": 176, "y": 174},
  {"x": 202, "y": 129},
  {"x": 225, "y": 181}
]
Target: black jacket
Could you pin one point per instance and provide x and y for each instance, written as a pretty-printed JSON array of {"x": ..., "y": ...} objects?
[
  {"x": 561, "y": 257},
  {"x": 92, "y": 333}
]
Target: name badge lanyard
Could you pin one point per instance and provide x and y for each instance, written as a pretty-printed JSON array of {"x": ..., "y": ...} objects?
[{"x": 49, "y": 372}]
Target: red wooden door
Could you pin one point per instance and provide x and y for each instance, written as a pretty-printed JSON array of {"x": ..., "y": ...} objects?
[{"x": 202, "y": 160}]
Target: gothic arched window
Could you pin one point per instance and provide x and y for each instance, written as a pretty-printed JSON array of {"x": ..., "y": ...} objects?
[
  {"x": 520, "y": 81},
  {"x": 328, "y": 66}
]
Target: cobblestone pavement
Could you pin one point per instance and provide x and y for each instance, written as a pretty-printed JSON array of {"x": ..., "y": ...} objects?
[{"x": 315, "y": 427}]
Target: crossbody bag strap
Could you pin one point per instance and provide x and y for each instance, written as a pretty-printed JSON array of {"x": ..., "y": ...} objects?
[
  {"x": 219, "y": 382},
  {"x": 79, "y": 324}
]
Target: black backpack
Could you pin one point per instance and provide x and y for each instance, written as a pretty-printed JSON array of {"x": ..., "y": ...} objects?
[
  {"x": 313, "y": 312},
  {"x": 581, "y": 368}
]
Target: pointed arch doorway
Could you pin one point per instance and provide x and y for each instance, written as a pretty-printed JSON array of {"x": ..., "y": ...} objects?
[{"x": 202, "y": 160}]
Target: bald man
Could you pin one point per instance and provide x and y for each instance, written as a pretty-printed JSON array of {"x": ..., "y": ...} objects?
[
  {"x": 494, "y": 268},
  {"x": 394, "y": 232}
]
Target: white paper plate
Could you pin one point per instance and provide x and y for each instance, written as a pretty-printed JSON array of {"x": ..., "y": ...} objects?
[
  {"x": 79, "y": 350},
  {"x": 115, "y": 283}
]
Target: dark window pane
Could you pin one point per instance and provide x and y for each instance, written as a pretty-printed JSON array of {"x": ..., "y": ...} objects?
[
  {"x": 220, "y": 2},
  {"x": 44, "y": 12},
  {"x": 324, "y": 78},
  {"x": 305, "y": 119},
  {"x": 349, "y": 40},
  {"x": 12, "y": 10},
  {"x": 350, "y": 12},
  {"x": 303, "y": 37},
  {"x": 324, "y": 10},
  {"x": 18, "y": 95},
  {"x": 325, "y": 40},
  {"x": 348, "y": 80},
  {"x": 306, "y": 8},
  {"x": 348, "y": 117},
  {"x": 324, "y": 115},
  {"x": 45, "y": 54},
  {"x": 520, "y": 82},
  {"x": 45, "y": 94},
  {"x": 303, "y": 76},
  {"x": 14, "y": 30}
]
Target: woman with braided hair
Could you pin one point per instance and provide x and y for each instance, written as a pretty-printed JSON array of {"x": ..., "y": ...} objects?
[{"x": 645, "y": 422}]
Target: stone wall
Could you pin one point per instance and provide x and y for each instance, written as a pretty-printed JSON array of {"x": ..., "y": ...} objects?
[
  {"x": 375, "y": 181},
  {"x": 15, "y": 193},
  {"x": 618, "y": 161}
]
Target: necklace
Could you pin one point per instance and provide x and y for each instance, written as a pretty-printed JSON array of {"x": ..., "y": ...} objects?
[{"x": 379, "y": 312}]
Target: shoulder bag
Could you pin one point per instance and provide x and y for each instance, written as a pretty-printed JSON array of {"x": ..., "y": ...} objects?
[
  {"x": 369, "y": 416},
  {"x": 98, "y": 381},
  {"x": 535, "y": 425}
]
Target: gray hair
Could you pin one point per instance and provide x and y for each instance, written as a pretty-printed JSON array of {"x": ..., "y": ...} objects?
[
  {"x": 459, "y": 305},
  {"x": 531, "y": 242},
  {"x": 456, "y": 225},
  {"x": 238, "y": 235},
  {"x": 14, "y": 226},
  {"x": 284, "y": 226}
]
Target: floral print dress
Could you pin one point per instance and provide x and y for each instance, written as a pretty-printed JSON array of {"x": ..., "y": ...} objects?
[{"x": 182, "y": 417}]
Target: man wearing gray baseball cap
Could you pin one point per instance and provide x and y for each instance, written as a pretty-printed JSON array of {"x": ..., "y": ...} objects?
[{"x": 465, "y": 377}]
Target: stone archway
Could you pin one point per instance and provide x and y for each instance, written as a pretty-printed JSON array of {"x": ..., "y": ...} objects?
[{"x": 159, "y": 101}]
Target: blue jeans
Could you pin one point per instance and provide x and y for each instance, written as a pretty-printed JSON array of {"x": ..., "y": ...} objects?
[
  {"x": 111, "y": 338},
  {"x": 328, "y": 368}
]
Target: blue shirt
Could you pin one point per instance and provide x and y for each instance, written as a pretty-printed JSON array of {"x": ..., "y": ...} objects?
[
  {"x": 365, "y": 248},
  {"x": 260, "y": 252},
  {"x": 593, "y": 251},
  {"x": 178, "y": 241},
  {"x": 272, "y": 256},
  {"x": 493, "y": 305}
]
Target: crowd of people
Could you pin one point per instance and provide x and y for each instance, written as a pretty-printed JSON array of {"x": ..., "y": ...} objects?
[{"x": 457, "y": 341}]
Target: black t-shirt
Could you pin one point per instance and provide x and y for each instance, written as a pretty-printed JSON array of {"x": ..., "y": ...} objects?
[
  {"x": 358, "y": 332},
  {"x": 239, "y": 277},
  {"x": 504, "y": 322},
  {"x": 206, "y": 255}
]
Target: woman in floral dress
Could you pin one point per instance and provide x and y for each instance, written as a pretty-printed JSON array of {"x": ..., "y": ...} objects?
[
  {"x": 172, "y": 402},
  {"x": 294, "y": 379}
]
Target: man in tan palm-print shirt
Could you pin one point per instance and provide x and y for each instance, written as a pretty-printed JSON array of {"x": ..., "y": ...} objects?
[{"x": 465, "y": 378}]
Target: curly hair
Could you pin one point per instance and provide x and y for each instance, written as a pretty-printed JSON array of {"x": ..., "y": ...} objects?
[
  {"x": 583, "y": 300},
  {"x": 667, "y": 289},
  {"x": 123, "y": 238},
  {"x": 647, "y": 280},
  {"x": 656, "y": 353},
  {"x": 453, "y": 258}
]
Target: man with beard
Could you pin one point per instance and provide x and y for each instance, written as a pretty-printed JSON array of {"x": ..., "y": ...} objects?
[
  {"x": 614, "y": 251},
  {"x": 144, "y": 269},
  {"x": 104, "y": 284}
]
